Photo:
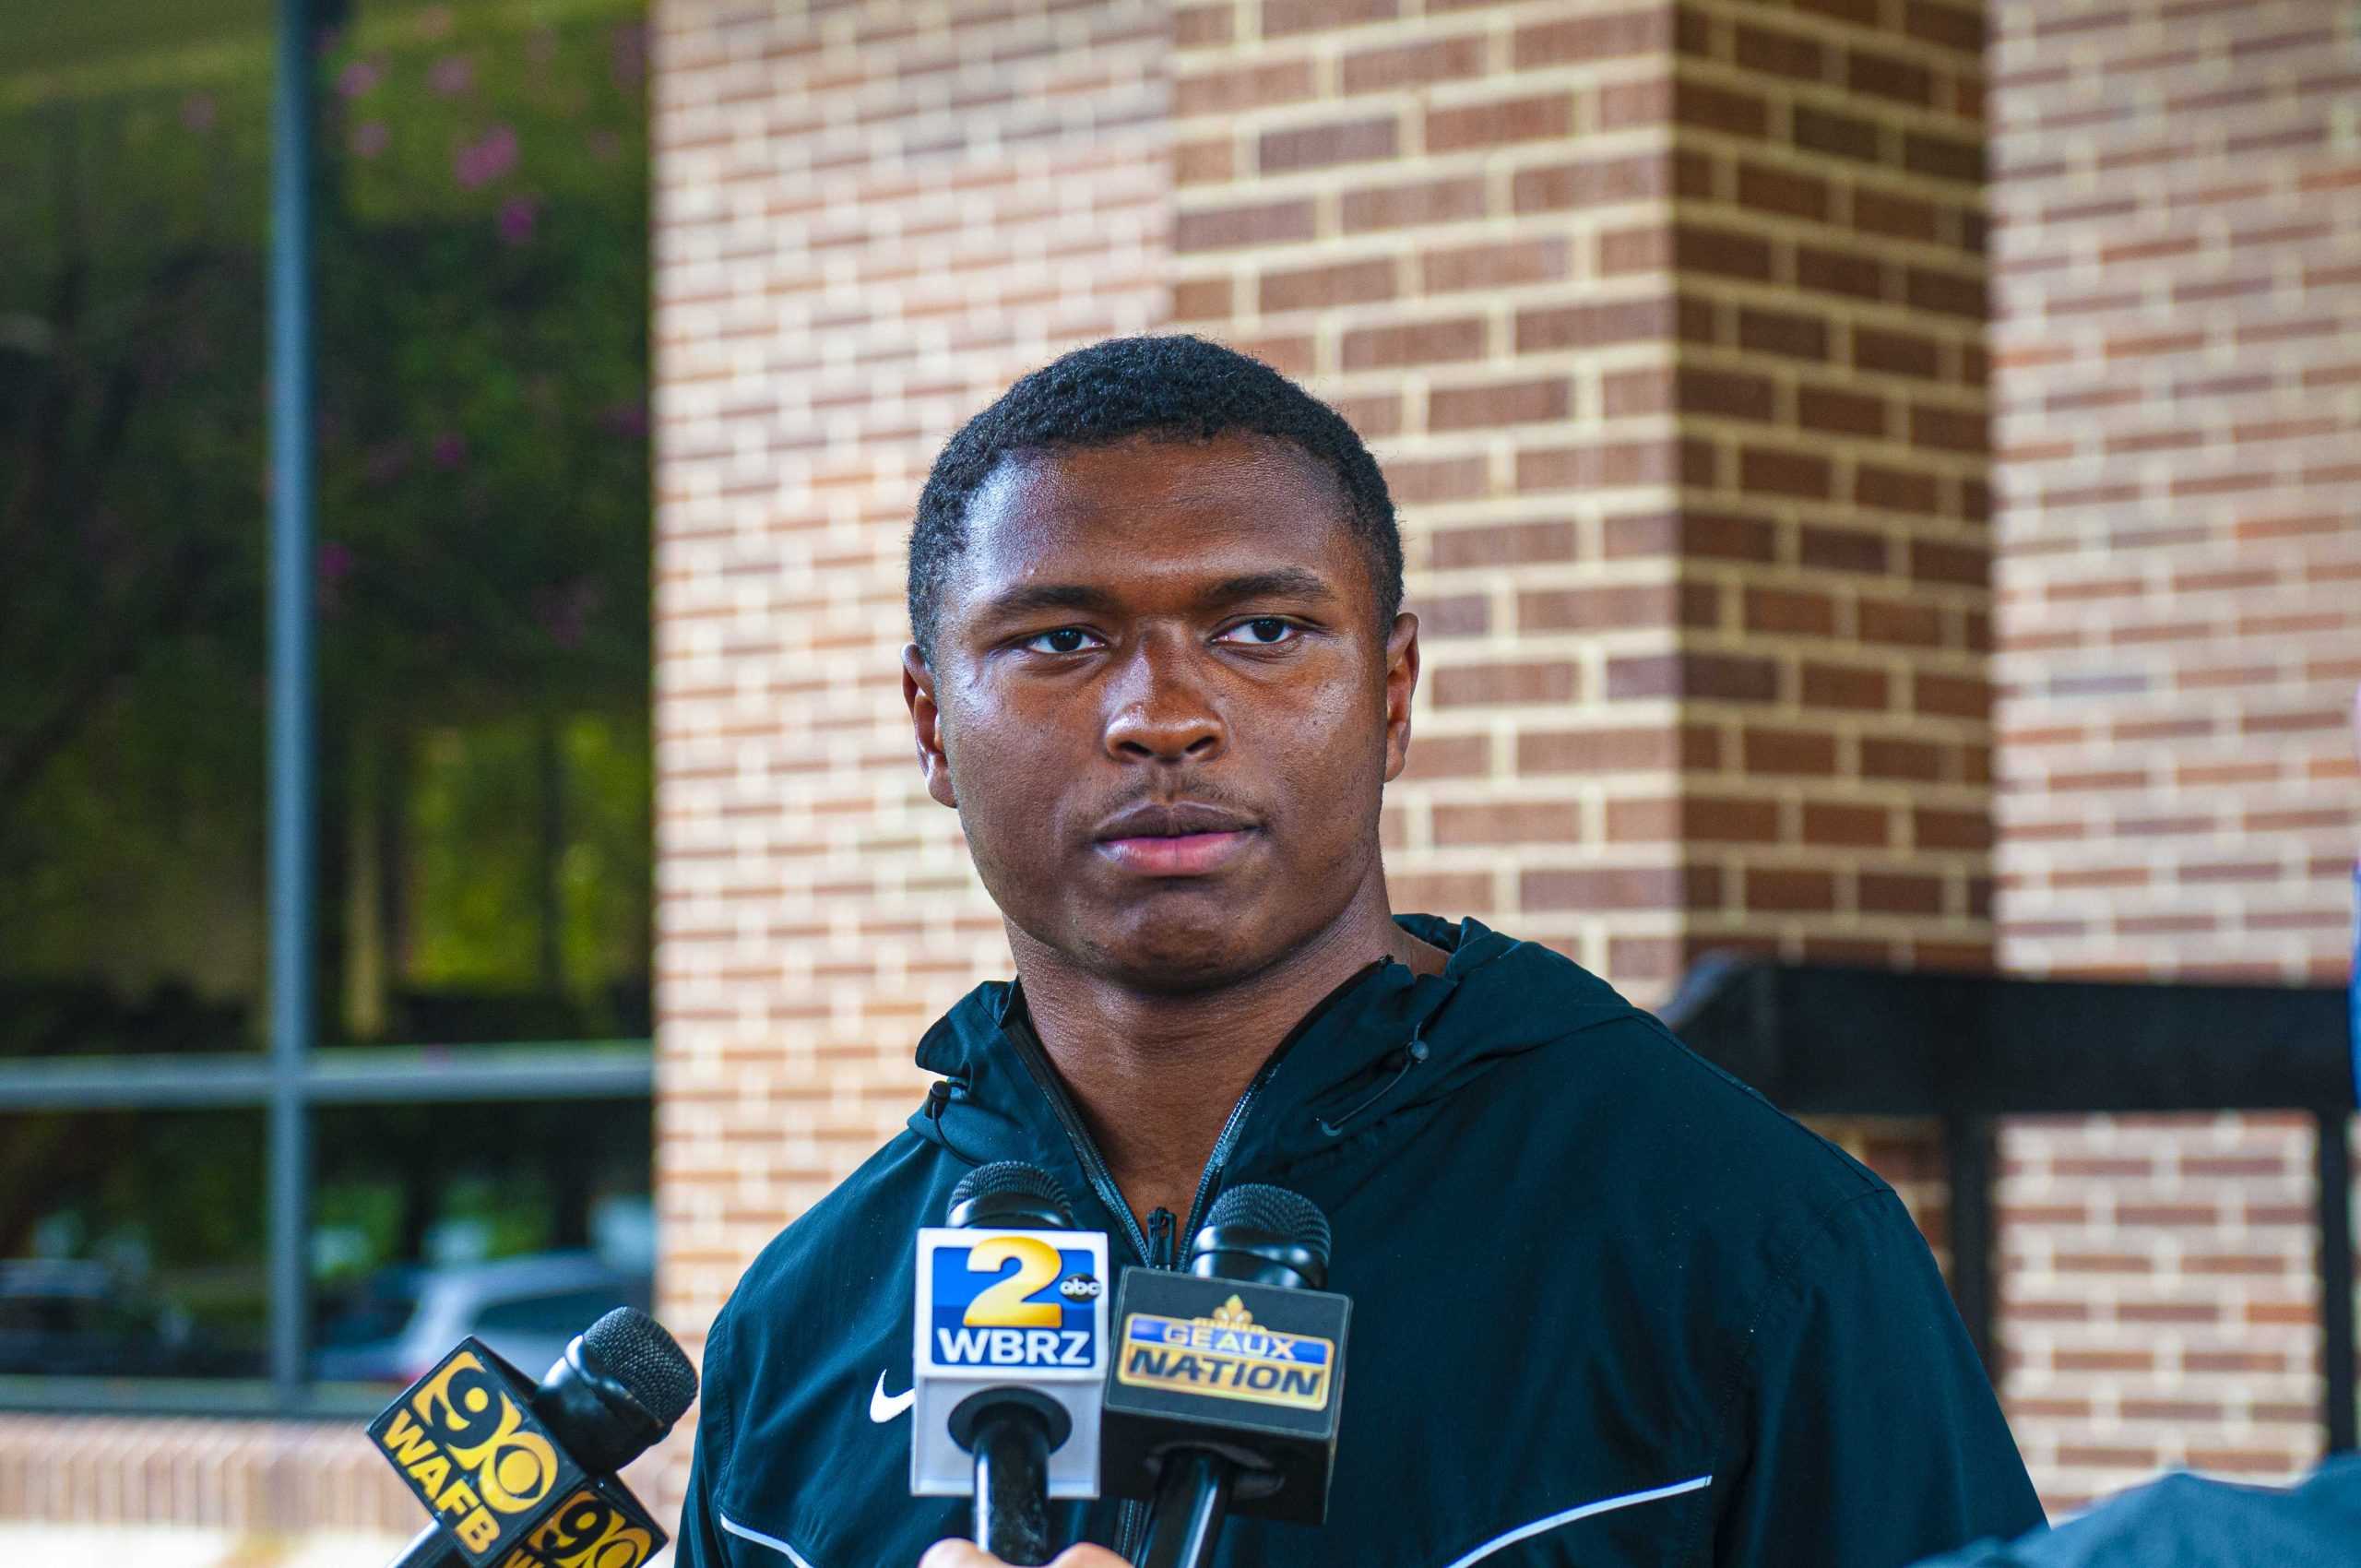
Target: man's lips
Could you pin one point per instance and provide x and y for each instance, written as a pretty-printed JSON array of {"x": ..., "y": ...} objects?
[
  {"x": 1186, "y": 854},
  {"x": 1178, "y": 839}
]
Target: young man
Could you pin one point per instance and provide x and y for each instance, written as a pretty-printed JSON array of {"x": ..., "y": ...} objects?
[{"x": 1608, "y": 1306}]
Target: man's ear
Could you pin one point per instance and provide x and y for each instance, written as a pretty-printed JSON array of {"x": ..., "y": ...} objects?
[
  {"x": 926, "y": 721},
  {"x": 1401, "y": 685}
]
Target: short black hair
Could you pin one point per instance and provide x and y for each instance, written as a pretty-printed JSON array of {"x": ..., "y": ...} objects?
[{"x": 1168, "y": 386}]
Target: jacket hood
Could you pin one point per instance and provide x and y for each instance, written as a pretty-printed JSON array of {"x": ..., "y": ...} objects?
[{"x": 1385, "y": 1039}]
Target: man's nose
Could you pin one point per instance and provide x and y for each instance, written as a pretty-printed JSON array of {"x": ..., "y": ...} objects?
[{"x": 1161, "y": 711}]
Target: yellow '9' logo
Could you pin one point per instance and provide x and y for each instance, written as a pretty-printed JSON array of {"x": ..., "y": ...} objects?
[{"x": 1002, "y": 1305}]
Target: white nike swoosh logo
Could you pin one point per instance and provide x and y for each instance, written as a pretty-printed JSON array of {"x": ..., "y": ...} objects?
[{"x": 885, "y": 1406}]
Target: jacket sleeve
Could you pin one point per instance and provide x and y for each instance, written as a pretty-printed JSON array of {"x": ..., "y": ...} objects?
[
  {"x": 1862, "y": 1431},
  {"x": 697, "y": 1543}
]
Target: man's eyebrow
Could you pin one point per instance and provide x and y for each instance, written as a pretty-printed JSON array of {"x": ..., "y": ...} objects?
[
  {"x": 1283, "y": 582},
  {"x": 1026, "y": 598}
]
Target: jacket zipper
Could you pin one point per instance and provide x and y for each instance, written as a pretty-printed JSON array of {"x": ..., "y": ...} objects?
[{"x": 1131, "y": 1519}]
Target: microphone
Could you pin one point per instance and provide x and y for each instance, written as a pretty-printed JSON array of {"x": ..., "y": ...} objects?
[
  {"x": 1008, "y": 1361},
  {"x": 1229, "y": 1380},
  {"x": 524, "y": 1474}
]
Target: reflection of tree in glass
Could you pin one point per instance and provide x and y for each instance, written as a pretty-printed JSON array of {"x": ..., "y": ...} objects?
[
  {"x": 483, "y": 566},
  {"x": 483, "y": 517}
]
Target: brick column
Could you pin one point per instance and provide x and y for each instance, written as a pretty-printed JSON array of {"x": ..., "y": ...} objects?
[
  {"x": 1664, "y": 321},
  {"x": 2176, "y": 199}
]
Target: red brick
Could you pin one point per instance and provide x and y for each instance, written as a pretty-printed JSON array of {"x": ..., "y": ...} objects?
[
  {"x": 1502, "y": 544},
  {"x": 1901, "y": 217},
  {"x": 1655, "y": 747},
  {"x": 1956, "y": 26},
  {"x": 1840, "y": 135},
  {"x": 1790, "y": 613},
  {"x": 1412, "y": 203},
  {"x": 1632, "y": 105},
  {"x": 1284, "y": 17},
  {"x": 1200, "y": 298},
  {"x": 1888, "y": 76},
  {"x": 1810, "y": 752},
  {"x": 1500, "y": 124},
  {"x": 1899, "y": 622},
  {"x": 1777, "y": 471},
  {"x": 1509, "y": 822},
  {"x": 1845, "y": 686},
  {"x": 1588, "y": 181},
  {"x": 1413, "y": 64},
  {"x": 1596, "y": 36},
  {"x": 1534, "y": 680},
  {"x": 1325, "y": 145},
  {"x": 1698, "y": 818},
  {"x": 1499, "y": 265},
  {"x": 1498, "y": 403},
  {"x": 1781, "y": 191},
  {"x": 1847, "y": 272},
  {"x": 1226, "y": 228},
  {"x": 1599, "y": 464},
  {"x": 1846, "y": 413},
  {"x": 1779, "y": 54},
  {"x": 1898, "y": 893},
  {"x": 1622, "y": 887},
  {"x": 1730, "y": 393},
  {"x": 1895, "y": 352},
  {"x": 1786, "y": 333},
  {"x": 1312, "y": 288},
  {"x": 1843, "y": 550},
  {"x": 1200, "y": 27},
  {"x": 1789, "y": 891},
  {"x": 1594, "y": 326},
  {"x": 1933, "y": 829},
  {"x": 1229, "y": 90},
  {"x": 1695, "y": 533},
  {"x": 1711, "y": 108},
  {"x": 1413, "y": 343},
  {"x": 1708, "y": 676}
]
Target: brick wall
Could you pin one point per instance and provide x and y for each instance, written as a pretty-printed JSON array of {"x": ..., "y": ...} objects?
[
  {"x": 1664, "y": 322},
  {"x": 869, "y": 219},
  {"x": 2177, "y": 342}
]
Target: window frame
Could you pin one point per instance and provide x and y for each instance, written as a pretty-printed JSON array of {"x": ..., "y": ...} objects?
[{"x": 298, "y": 1085}]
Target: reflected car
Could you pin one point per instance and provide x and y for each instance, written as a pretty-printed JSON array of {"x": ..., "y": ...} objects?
[
  {"x": 78, "y": 1318},
  {"x": 403, "y": 1321}
]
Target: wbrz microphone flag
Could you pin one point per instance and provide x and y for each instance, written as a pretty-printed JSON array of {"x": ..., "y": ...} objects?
[
  {"x": 1252, "y": 1371},
  {"x": 1006, "y": 1307},
  {"x": 507, "y": 1495}
]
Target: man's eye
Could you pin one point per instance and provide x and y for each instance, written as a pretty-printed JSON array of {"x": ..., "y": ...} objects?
[
  {"x": 1065, "y": 639},
  {"x": 1263, "y": 631}
]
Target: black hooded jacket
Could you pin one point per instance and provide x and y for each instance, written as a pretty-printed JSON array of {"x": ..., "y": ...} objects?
[{"x": 1609, "y": 1307}]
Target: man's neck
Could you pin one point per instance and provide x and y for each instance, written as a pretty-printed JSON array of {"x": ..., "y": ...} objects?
[{"x": 1155, "y": 1073}]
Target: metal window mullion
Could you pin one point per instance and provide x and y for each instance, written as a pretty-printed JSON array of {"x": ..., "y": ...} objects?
[{"x": 291, "y": 703}]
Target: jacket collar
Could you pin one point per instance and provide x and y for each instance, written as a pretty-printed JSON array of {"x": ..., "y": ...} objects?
[{"x": 1367, "y": 1046}]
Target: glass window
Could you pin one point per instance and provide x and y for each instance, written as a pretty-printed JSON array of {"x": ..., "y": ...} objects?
[
  {"x": 133, "y": 170},
  {"x": 131, "y": 1244},
  {"x": 482, "y": 626},
  {"x": 518, "y": 1223}
]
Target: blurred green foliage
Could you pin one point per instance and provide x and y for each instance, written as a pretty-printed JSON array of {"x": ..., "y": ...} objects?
[
  {"x": 484, "y": 492},
  {"x": 481, "y": 575}
]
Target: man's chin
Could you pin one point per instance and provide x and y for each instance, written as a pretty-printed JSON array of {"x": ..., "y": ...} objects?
[{"x": 1178, "y": 945}]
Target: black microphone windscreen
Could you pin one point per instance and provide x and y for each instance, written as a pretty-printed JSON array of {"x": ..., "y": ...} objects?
[
  {"x": 1289, "y": 1217},
  {"x": 634, "y": 1349},
  {"x": 1012, "y": 1176}
]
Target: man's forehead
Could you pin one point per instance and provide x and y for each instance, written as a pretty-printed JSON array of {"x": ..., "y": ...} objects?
[{"x": 1220, "y": 502}]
